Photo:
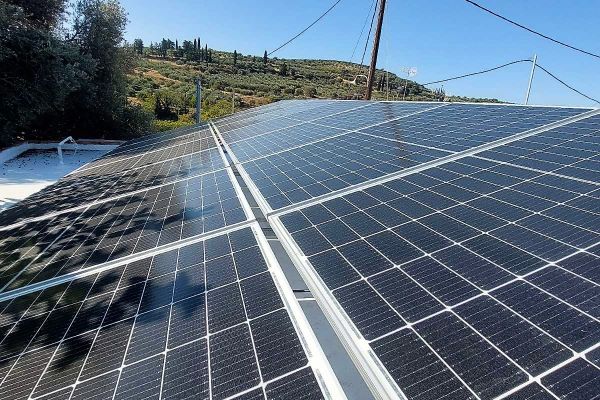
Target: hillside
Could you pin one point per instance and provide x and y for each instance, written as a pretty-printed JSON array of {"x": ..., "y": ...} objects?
[{"x": 163, "y": 83}]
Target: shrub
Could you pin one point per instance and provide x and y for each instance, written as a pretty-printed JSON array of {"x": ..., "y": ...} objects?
[{"x": 310, "y": 91}]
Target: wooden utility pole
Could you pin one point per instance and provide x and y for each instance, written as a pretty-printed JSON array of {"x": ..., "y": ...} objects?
[{"x": 371, "y": 77}]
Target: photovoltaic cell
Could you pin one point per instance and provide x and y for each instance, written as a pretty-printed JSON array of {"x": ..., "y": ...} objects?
[{"x": 576, "y": 380}]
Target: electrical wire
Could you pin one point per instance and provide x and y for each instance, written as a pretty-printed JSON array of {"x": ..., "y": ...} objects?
[
  {"x": 477, "y": 73},
  {"x": 567, "y": 85},
  {"x": 305, "y": 29},
  {"x": 532, "y": 31},
  {"x": 362, "y": 60},
  {"x": 517, "y": 62},
  {"x": 362, "y": 30}
]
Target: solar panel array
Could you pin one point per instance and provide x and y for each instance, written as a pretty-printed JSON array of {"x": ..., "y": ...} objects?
[
  {"x": 457, "y": 246},
  {"x": 144, "y": 275},
  {"x": 454, "y": 247}
]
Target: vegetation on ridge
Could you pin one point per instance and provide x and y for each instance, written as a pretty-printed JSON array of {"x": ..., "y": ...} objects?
[
  {"x": 163, "y": 81},
  {"x": 76, "y": 76}
]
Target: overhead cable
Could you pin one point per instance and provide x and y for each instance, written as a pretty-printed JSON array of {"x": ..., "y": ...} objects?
[
  {"x": 567, "y": 85},
  {"x": 362, "y": 30},
  {"x": 477, "y": 73},
  {"x": 589, "y": 53},
  {"x": 362, "y": 60},
  {"x": 307, "y": 28}
]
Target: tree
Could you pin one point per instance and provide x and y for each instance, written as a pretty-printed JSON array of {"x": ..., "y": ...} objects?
[
  {"x": 164, "y": 46},
  {"x": 265, "y": 59},
  {"x": 235, "y": 57},
  {"x": 195, "y": 45},
  {"x": 439, "y": 94},
  {"x": 38, "y": 70},
  {"x": 187, "y": 48},
  {"x": 100, "y": 106},
  {"x": 42, "y": 13},
  {"x": 138, "y": 46},
  {"x": 56, "y": 81},
  {"x": 176, "y": 45},
  {"x": 381, "y": 83},
  {"x": 283, "y": 70}
]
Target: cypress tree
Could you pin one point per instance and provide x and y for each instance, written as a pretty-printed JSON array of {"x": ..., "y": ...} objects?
[{"x": 265, "y": 58}]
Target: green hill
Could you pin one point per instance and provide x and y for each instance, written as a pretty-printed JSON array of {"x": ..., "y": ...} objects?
[{"x": 163, "y": 82}]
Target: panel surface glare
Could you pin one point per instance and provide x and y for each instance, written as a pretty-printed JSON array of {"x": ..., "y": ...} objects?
[
  {"x": 133, "y": 224},
  {"x": 571, "y": 150},
  {"x": 79, "y": 190},
  {"x": 322, "y": 155}
]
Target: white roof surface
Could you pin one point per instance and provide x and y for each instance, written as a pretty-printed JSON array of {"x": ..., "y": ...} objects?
[{"x": 33, "y": 170}]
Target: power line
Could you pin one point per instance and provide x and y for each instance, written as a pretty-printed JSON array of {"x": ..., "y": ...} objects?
[
  {"x": 511, "y": 63},
  {"x": 532, "y": 31},
  {"x": 362, "y": 30},
  {"x": 477, "y": 73},
  {"x": 570, "y": 87},
  {"x": 362, "y": 60},
  {"x": 307, "y": 28}
]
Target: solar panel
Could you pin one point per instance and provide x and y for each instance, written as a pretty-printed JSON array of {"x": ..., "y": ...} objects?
[
  {"x": 458, "y": 127},
  {"x": 132, "y": 224},
  {"x": 241, "y": 124},
  {"x": 472, "y": 277},
  {"x": 198, "y": 142},
  {"x": 320, "y": 168},
  {"x": 79, "y": 190},
  {"x": 453, "y": 247},
  {"x": 571, "y": 150},
  {"x": 157, "y": 140},
  {"x": 174, "y": 325},
  {"x": 458, "y": 267},
  {"x": 297, "y": 133},
  {"x": 295, "y": 163}
]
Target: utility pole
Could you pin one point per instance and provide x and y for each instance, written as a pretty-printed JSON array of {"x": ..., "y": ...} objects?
[
  {"x": 198, "y": 100},
  {"x": 371, "y": 77},
  {"x": 530, "y": 79}
]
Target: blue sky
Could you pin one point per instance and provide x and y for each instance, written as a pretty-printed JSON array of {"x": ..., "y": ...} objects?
[{"x": 442, "y": 38}]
